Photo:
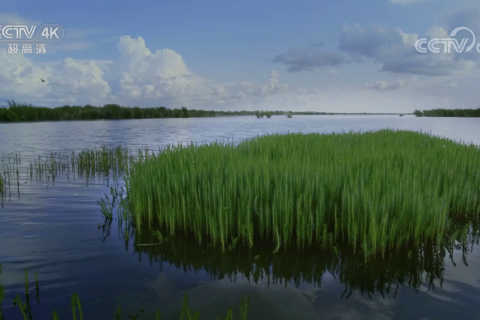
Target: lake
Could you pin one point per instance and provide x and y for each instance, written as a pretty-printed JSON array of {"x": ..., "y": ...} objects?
[{"x": 52, "y": 227}]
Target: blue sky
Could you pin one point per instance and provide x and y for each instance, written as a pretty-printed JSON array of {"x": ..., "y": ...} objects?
[{"x": 340, "y": 56}]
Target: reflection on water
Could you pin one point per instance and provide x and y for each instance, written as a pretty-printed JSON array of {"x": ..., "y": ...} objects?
[
  {"x": 51, "y": 224},
  {"x": 410, "y": 266}
]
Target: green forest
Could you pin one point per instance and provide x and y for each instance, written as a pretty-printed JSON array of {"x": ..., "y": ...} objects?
[
  {"x": 16, "y": 112},
  {"x": 448, "y": 113}
]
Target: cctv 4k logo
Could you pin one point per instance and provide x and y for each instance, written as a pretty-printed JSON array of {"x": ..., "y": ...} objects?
[{"x": 50, "y": 32}]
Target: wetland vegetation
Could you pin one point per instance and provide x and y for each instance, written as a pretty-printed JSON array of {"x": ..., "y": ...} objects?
[
  {"x": 373, "y": 191},
  {"x": 377, "y": 210}
]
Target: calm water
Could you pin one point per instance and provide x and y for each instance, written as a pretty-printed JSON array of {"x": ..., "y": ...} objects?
[{"x": 52, "y": 227}]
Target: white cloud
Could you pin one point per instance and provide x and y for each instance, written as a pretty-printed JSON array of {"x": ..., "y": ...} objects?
[
  {"x": 395, "y": 51},
  {"x": 155, "y": 75},
  {"x": 273, "y": 85},
  {"x": 67, "y": 82},
  {"x": 384, "y": 86},
  {"x": 137, "y": 77},
  {"x": 308, "y": 59},
  {"x": 141, "y": 77}
]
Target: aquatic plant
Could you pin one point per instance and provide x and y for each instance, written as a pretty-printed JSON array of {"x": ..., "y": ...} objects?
[
  {"x": 373, "y": 191},
  {"x": 75, "y": 303},
  {"x": 106, "y": 207},
  {"x": 87, "y": 163},
  {"x": 2, "y": 186}
]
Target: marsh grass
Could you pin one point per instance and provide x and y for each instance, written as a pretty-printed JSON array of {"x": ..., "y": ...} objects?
[
  {"x": 106, "y": 208},
  {"x": 85, "y": 163},
  {"x": 373, "y": 191},
  {"x": 94, "y": 162},
  {"x": 106, "y": 161}
]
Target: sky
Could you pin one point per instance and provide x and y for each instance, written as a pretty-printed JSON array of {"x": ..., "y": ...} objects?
[{"x": 304, "y": 55}]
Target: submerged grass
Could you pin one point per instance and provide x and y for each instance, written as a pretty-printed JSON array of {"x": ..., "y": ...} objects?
[
  {"x": 77, "y": 313},
  {"x": 88, "y": 163},
  {"x": 374, "y": 191}
]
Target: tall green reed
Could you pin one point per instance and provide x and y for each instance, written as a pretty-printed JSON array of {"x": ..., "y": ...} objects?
[{"x": 374, "y": 191}]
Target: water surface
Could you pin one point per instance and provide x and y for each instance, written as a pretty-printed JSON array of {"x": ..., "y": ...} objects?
[{"x": 51, "y": 226}]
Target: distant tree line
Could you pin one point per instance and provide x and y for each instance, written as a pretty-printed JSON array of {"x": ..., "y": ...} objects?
[
  {"x": 448, "y": 113},
  {"x": 15, "y": 112}
]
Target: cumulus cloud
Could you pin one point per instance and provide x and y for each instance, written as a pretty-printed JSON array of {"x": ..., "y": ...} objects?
[
  {"x": 395, "y": 51},
  {"x": 273, "y": 85},
  {"x": 143, "y": 77},
  {"x": 138, "y": 76},
  {"x": 66, "y": 82},
  {"x": 308, "y": 59},
  {"x": 384, "y": 86},
  {"x": 393, "y": 48},
  {"x": 247, "y": 92},
  {"x": 154, "y": 75}
]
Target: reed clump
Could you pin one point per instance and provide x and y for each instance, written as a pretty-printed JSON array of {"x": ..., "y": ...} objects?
[
  {"x": 374, "y": 191},
  {"x": 2, "y": 185}
]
